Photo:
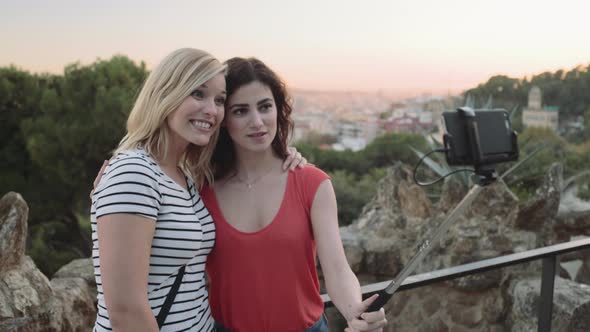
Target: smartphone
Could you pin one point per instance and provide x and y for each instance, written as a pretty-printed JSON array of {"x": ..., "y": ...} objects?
[{"x": 483, "y": 139}]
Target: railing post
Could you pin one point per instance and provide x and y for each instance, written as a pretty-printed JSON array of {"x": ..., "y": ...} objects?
[{"x": 546, "y": 298}]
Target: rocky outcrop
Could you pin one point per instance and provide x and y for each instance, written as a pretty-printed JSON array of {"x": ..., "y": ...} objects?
[
  {"x": 28, "y": 300},
  {"x": 383, "y": 239},
  {"x": 571, "y": 305},
  {"x": 538, "y": 214},
  {"x": 13, "y": 229}
]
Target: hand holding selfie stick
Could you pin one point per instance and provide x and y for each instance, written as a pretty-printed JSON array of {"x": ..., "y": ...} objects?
[{"x": 485, "y": 174}]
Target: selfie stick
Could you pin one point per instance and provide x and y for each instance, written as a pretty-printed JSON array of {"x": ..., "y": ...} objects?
[
  {"x": 485, "y": 175},
  {"x": 424, "y": 249}
]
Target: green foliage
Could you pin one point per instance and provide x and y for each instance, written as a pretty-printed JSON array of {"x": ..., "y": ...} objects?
[
  {"x": 355, "y": 174},
  {"x": 385, "y": 150},
  {"x": 56, "y": 131},
  {"x": 315, "y": 138},
  {"x": 525, "y": 180},
  {"x": 82, "y": 119},
  {"x": 17, "y": 102},
  {"x": 587, "y": 124},
  {"x": 566, "y": 90},
  {"x": 505, "y": 92},
  {"x": 331, "y": 160},
  {"x": 47, "y": 256},
  {"x": 353, "y": 192}
]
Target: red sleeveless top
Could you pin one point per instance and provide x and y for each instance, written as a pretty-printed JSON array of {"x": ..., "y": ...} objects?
[{"x": 267, "y": 280}]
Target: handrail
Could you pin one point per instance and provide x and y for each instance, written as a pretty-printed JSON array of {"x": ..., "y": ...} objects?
[{"x": 548, "y": 255}]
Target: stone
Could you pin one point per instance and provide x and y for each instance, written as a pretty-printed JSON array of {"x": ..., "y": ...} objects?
[
  {"x": 413, "y": 201},
  {"x": 392, "y": 226},
  {"x": 539, "y": 212},
  {"x": 13, "y": 229},
  {"x": 73, "y": 306},
  {"x": 431, "y": 305},
  {"x": 78, "y": 268},
  {"x": 583, "y": 275},
  {"x": 468, "y": 317},
  {"x": 28, "y": 300},
  {"x": 353, "y": 249},
  {"x": 24, "y": 289},
  {"x": 571, "y": 305},
  {"x": 478, "y": 282},
  {"x": 433, "y": 325}
]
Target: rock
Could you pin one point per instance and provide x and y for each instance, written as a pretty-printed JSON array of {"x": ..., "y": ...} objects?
[
  {"x": 478, "y": 282},
  {"x": 571, "y": 305},
  {"x": 73, "y": 305},
  {"x": 434, "y": 325},
  {"x": 78, "y": 268},
  {"x": 413, "y": 200},
  {"x": 400, "y": 218},
  {"x": 573, "y": 212},
  {"x": 538, "y": 213},
  {"x": 353, "y": 249},
  {"x": 28, "y": 300},
  {"x": 24, "y": 293},
  {"x": 583, "y": 275},
  {"x": 453, "y": 192},
  {"x": 13, "y": 229},
  {"x": 466, "y": 316}
]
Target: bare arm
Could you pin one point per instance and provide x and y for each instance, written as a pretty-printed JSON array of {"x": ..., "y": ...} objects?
[
  {"x": 125, "y": 242},
  {"x": 341, "y": 283}
]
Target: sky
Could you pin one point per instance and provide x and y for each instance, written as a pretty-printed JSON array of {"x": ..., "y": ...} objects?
[{"x": 407, "y": 47}]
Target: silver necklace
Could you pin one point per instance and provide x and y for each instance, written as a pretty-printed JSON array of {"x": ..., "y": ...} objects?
[{"x": 250, "y": 184}]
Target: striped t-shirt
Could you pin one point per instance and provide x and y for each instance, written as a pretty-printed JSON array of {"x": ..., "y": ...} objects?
[{"x": 185, "y": 233}]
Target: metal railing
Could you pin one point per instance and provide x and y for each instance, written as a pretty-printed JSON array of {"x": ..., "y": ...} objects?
[{"x": 547, "y": 254}]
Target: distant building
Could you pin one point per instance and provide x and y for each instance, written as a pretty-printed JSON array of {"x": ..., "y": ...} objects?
[
  {"x": 351, "y": 135},
  {"x": 305, "y": 123},
  {"x": 537, "y": 115},
  {"x": 408, "y": 123}
]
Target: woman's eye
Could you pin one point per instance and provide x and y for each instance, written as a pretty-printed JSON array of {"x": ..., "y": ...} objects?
[
  {"x": 198, "y": 94},
  {"x": 239, "y": 111},
  {"x": 220, "y": 101},
  {"x": 265, "y": 107}
]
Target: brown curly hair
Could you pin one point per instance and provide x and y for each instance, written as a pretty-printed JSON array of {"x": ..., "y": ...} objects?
[{"x": 240, "y": 72}]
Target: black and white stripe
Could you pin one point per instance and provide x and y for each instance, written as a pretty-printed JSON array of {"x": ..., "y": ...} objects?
[{"x": 185, "y": 234}]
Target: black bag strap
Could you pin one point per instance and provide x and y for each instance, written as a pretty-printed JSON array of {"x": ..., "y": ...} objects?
[{"x": 170, "y": 298}]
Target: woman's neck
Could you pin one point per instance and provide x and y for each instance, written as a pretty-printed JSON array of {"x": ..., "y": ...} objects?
[
  {"x": 175, "y": 149},
  {"x": 251, "y": 165}
]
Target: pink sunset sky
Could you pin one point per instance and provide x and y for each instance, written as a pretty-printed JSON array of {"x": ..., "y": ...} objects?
[{"x": 408, "y": 47}]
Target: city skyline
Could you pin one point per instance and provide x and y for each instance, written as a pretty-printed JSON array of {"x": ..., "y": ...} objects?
[{"x": 408, "y": 48}]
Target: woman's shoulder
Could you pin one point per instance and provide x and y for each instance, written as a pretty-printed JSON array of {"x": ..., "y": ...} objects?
[
  {"x": 310, "y": 171},
  {"x": 134, "y": 159},
  {"x": 132, "y": 165},
  {"x": 309, "y": 178},
  {"x": 137, "y": 155}
]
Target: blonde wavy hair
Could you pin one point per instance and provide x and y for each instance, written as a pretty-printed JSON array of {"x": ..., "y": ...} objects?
[{"x": 175, "y": 78}]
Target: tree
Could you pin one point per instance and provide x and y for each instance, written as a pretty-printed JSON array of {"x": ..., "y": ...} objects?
[
  {"x": 60, "y": 129},
  {"x": 18, "y": 94},
  {"x": 525, "y": 180},
  {"x": 317, "y": 139},
  {"x": 353, "y": 192},
  {"x": 385, "y": 150}
]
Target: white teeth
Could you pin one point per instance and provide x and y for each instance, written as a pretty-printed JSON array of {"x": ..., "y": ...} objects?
[{"x": 201, "y": 124}]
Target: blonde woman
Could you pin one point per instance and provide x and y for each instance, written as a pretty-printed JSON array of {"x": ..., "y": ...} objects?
[{"x": 147, "y": 218}]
